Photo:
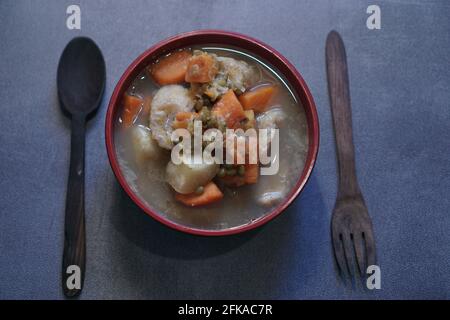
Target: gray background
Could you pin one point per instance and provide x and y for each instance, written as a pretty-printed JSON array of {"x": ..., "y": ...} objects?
[{"x": 399, "y": 77}]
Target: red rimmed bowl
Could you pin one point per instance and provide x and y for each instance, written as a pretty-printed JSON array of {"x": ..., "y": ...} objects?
[{"x": 239, "y": 41}]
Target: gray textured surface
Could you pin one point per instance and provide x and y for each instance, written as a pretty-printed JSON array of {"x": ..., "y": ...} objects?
[{"x": 400, "y": 78}]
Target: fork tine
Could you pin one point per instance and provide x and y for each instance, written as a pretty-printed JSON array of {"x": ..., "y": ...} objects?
[
  {"x": 370, "y": 247},
  {"x": 339, "y": 254},
  {"x": 358, "y": 242},
  {"x": 348, "y": 251}
]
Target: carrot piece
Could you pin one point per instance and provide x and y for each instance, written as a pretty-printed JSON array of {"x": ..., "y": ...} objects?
[
  {"x": 257, "y": 99},
  {"x": 229, "y": 109},
  {"x": 132, "y": 105},
  {"x": 251, "y": 173},
  {"x": 181, "y": 116},
  {"x": 211, "y": 194},
  {"x": 251, "y": 176},
  {"x": 201, "y": 69},
  {"x": 172, "y": 68},
  {"x": 147, "y": 106},
  {"x": 182, "y": 119}
]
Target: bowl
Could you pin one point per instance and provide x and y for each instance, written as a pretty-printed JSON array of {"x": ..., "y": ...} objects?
[{"x": 240, "y": 41}]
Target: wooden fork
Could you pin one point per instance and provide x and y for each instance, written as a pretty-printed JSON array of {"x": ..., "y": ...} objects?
[{"x": 351, "y": 226}]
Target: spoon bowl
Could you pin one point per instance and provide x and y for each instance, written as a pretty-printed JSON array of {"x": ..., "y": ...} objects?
[{"x": 81, "y": 77}]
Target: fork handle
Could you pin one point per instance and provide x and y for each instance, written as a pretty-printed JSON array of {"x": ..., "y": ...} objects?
[{"x": 338, "y": 88}]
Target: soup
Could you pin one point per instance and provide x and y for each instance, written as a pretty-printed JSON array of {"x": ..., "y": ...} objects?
[{"x": 210, "y": 89}]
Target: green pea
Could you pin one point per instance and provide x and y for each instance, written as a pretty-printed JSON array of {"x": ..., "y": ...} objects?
[
  {"x": 212, "y": 123},
  {"x": 229, "y": 166},
  {"x": 199, "y": 190},
  {"x": 241, "y": 170},
  {"x": 222, "y": 127},
  {"x": 205, "y": 114},
  {"x": 231, "y": 172},
  {"x": 222, "y": 82},
  {"x": 222, "y": 172}
]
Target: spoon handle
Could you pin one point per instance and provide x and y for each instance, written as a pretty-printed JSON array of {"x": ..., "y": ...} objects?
[
  {"x": 338, "y": 86},
  {"x": 74, "y": 255}
]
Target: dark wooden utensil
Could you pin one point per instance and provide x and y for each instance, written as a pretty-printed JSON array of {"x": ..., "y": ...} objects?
[
  {"x": 351, "y": 226},
  {"x": 81, "y": 82}
]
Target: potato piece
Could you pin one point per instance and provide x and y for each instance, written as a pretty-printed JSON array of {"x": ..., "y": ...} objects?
[
  {"x": 186, "y": 178},
  {"x": 145, "y": 148},
  {"x": 275, "y": 187},
  {"x": 167, "y": 102},
  {"x": 238, "y": 72},
  {"x": 233, "y": 74}
]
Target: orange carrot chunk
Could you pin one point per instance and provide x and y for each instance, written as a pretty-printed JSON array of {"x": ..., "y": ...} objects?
[
  {"x": 182, "y": 119},
  {"x": 257, "y": 99},
  {"x": 230, "y": 110},
  {"x": 181, "y": 116},
  {"x": 251, "y": 176},
  {"x": 131, "y": 107},
  {"x": 251, "y": 173},
  {"x": 201, "y": 69},
  {"x": 172, "y": 68},
  {"x": 147, "y": 106},
  {"x": 211, "y": 194}
]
